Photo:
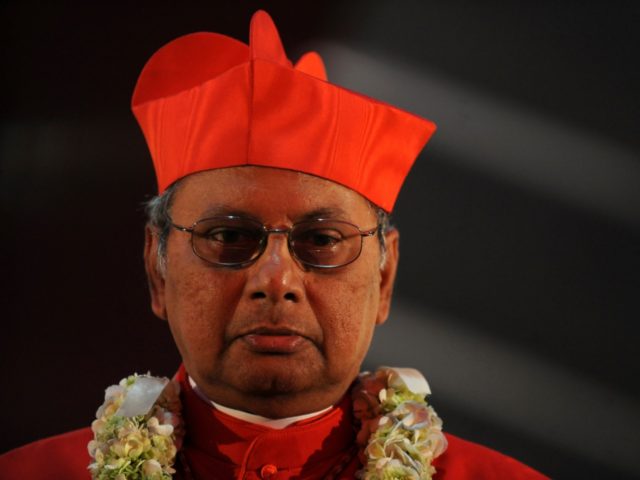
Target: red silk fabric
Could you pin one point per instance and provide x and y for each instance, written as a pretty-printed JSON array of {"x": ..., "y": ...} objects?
[{"x": 207, "y": 101}]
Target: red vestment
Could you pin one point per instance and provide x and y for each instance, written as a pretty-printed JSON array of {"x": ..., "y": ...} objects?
[{"x": 219, "y": 446}]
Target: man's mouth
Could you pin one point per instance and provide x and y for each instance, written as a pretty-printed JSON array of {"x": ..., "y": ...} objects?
[{"x": 274, "y": 341}]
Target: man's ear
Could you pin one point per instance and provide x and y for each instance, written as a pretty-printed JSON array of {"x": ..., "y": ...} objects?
[
  {"x": 388, "y": 274},
  {"x": 155, "y": 278}
]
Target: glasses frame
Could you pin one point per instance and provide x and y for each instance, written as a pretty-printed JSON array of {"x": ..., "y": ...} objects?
[{"x": 264, "y": 240}]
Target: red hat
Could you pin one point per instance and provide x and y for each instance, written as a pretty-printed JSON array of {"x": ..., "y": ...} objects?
[{"x": 208, "y": 101}]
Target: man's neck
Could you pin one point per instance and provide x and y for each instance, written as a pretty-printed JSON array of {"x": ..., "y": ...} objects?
[{"x": 275, "y": 423}]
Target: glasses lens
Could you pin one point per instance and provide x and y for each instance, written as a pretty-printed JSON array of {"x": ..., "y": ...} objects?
[
  {"x": 326, "y": 243},
  {"x": 227, "y": 240}
]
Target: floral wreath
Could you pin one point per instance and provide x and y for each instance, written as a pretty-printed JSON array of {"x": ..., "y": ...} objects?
[
  {"x": 400, "y": 434},
  {"x": 139, "y": 430}
]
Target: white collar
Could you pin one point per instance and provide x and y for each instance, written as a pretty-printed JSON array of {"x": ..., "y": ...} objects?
[{"x": 275, "y": 423}]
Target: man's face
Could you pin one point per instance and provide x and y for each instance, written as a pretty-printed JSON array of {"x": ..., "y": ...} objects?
[{"x": 229, "y": 323}]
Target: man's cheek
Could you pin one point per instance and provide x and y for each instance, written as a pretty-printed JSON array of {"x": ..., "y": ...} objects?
[{"x": 191, "y": 288}]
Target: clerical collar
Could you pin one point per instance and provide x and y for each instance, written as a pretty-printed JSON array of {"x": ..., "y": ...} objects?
[{"x": 275, "y": 423}]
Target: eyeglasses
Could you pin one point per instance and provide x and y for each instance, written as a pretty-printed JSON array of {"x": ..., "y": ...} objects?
[{"x": 232, "y": 241}]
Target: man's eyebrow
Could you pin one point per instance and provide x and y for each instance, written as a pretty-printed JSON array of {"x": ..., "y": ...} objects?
[
  {"x": 223, "y": 210},
  {"x": 327, "y": 212}
]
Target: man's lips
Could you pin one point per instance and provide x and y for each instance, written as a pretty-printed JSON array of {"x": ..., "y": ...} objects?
[{"x": 267, "y": 340}]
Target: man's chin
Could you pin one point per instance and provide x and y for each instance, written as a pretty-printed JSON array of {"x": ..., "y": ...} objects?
[
  {"x": 276, "y": 376},
  {"x": 273, "y": 375}
]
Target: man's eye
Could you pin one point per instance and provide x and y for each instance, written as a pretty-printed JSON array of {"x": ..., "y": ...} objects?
[
  {"x": 321, "y": 238},
  {"x": 228, "y": 235}
]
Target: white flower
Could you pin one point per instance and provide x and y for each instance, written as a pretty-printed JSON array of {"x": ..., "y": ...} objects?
[
  {"x": 151, "y": 467},
  {"x": 155, "y": 427}
]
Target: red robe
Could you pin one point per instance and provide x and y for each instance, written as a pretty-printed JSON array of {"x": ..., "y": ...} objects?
[{"x": 219, "y": 446}]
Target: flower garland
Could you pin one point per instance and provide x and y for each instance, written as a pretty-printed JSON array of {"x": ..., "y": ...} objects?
[
  {"x": 139, "y": 430},
  {"x": 400, "y": 434}
]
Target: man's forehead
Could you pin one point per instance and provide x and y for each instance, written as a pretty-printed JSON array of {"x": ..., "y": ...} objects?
[{"x": 256, "y": 191}]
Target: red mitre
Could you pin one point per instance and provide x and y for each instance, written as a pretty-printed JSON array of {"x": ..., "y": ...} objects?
[{"x": 207, "y": 101}]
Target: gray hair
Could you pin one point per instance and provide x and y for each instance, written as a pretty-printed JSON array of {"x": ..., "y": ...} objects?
[
  {"x": 158, "y": 209},
  {"x": 159, "y": 219}
]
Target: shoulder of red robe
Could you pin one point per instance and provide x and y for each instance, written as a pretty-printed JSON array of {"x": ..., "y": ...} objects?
[
  {"x": 464, "y": 460},
  {"x": 63, "y": 456}
]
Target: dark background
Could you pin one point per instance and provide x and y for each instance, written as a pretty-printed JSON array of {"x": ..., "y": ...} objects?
[{"x": 518, "y": 293}]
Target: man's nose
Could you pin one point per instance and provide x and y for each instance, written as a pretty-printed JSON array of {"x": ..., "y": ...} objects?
[{"x": 275, "y": 276}]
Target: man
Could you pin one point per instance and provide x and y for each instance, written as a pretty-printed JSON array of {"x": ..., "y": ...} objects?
[{"x": 268, "y": 252}]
